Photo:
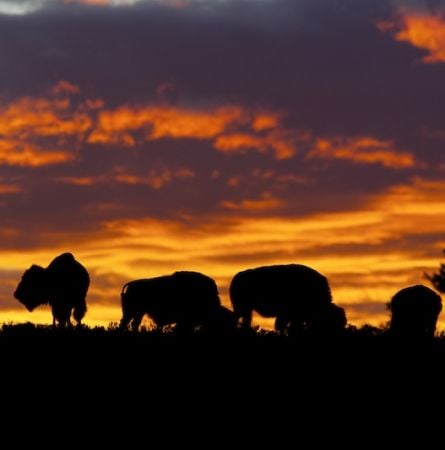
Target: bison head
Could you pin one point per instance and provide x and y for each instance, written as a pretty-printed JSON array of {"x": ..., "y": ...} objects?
[{"x": 31, "y": 290}]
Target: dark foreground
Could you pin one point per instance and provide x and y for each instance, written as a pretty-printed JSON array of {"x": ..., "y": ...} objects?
[
  {"x": 219, "y": 390},
  {"x": 255, "y": 350}
]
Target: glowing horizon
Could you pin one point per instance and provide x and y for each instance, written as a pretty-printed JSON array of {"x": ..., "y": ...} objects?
[{"x": 216, "y": 245}]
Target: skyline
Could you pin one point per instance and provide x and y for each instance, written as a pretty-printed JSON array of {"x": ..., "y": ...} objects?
[{"x": 152, "y": 136}]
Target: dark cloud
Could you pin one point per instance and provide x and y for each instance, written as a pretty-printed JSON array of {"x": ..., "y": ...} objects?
[{"x": 321, "y": 61}]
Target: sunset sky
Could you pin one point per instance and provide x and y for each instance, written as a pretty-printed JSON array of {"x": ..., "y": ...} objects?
[{"x": 148, "y": 136}]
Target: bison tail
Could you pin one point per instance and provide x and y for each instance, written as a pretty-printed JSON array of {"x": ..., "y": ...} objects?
[
  {"x": 124, "y": 290},
  {"x": 126, "y": 297},
  {"x": 126, "y": 316}
]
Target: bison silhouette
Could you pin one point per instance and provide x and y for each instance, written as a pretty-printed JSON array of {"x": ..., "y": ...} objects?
[
  {"x": 63, "y": 285},
  {"x": 330, "y": 320},
  {"x": 296, "y": 295},
  {"x": 187, "y": 299},
  {"x": 415, "y": 311}
]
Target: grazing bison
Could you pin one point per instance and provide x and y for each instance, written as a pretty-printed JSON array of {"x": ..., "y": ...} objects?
[
  {"x": 415, "y": 311},
  {"x": 221, "y": 322},
  {"x": 187, "y": 299},
  {"x": 330, "y": 320},
  {"x": 63, "y": 285},
  {"x": 294, "y": 294}
]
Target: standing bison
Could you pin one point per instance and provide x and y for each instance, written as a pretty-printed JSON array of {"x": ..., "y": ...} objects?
[
  {"x": 415, "y": 311},
  {"x": 298, "y": 297},
  {"x": 187, "y": 299},
  {"x": 63, "y": 285}
]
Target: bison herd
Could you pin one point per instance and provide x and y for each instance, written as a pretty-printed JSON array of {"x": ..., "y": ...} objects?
[{"x": 297, "y": 296}]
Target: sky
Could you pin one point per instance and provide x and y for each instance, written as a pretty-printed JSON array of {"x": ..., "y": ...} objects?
[{"x": 149, "y": 136}]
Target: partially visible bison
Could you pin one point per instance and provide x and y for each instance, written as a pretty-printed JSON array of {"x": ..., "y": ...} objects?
[
  {"x": 63, "y": 285},
  {"x": 187, "y": 299},
  {"x": 329, "y": 321},
  {"x": 415, "y": 311},
  {"x": 298, "y": 297}
]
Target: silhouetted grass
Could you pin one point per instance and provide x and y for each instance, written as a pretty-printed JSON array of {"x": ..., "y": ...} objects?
[
  {"x": 366, "y": 333},
  {"x": 101, "y": 365},
  {"x": 364, "y": 339}
]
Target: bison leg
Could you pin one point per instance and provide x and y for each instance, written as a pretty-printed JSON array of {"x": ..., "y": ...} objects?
[
  {"x": 184, "y": 328},
  {"x": 137, "y": 319},
  {"x": 281, "y": 323},
  {"x": 246, "y": 319},
  {"x": 79, "y": 311},
  {"x": 61, "y": 313},
  {"x": 126, "y": 319}
]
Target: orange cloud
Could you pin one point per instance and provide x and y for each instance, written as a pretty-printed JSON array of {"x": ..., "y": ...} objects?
[
  {"x": 265, "y": 121},
  {"x": 266, "y": 202},
  {"x": 422, "y": 198},
  {"x": 80, "y": 181},
  {"x": 16, "y": 153},
  {"x": 195, "y": 124},
  {"x": 230, "y": 128},
  {"x": 239, "y": 141},
  {"x": 422, "y": 30},
  {"x": 283, "y": 145},
  {"x": 156, "y": 179},
  {"x": 28, "y": 117},
  {"x": 160, "y": 122},
  {"x": 9, "y": 188},
  {"x": 362, "y": 150}
]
